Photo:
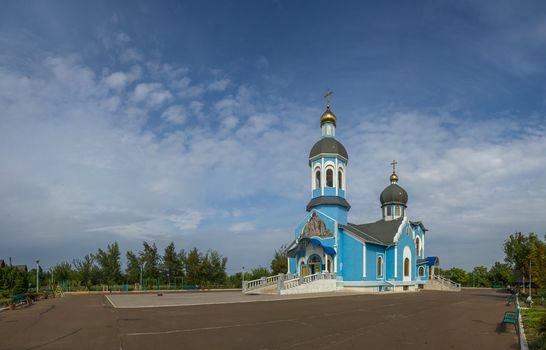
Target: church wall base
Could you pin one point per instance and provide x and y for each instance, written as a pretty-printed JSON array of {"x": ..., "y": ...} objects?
[{"x": 319, "y": 286}]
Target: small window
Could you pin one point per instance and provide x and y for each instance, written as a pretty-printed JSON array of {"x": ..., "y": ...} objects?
[
  {"x": 317, "y": 179},
  {"x": 339, "y": 179},
  {"x": 397, "y": 211},
  {"x": 407, "y": 231},
  {"x": 389, "y": 210},
  {"x": 329, "y": 178},
  {"x": 406, "y": 267},
  {"x": 421, "y": 271},
  {"x": 417, "y": 246},
  {"x": 379, "y": 266}
]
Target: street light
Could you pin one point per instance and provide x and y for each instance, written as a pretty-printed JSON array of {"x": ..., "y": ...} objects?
[
  {"x": 141, "y": 269},
  {"x": 37, "y": 275}
]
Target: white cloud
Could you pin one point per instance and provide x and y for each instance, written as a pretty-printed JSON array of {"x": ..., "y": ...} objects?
[
  {"x": 242, "y": 227},
  {"x": 175, "y": 114},
  {"x": 153, "y": 94},
  {"x": 219, "y": 85}
]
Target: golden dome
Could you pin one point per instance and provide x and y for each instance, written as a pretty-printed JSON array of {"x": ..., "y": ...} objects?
[
  {"x": 394, "y": 177},
  {"x": 328, "y": 117}
]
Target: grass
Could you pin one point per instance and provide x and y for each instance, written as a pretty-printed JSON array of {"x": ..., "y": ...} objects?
[{"x": 534, "y": 322}]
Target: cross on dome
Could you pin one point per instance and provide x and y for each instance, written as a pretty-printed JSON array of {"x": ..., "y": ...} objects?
[
  {"x": 394, "y": 177},
  {"x": 327, "y": 97}
]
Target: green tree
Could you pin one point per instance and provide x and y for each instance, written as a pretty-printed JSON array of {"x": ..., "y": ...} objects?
[
  {"x": 527, "y": 255},
  {"x": 258, "y": 272},
  {"x": 456, "y": 274},
  {"x": 193, "y": 264},
  {"x": 279, "y": 264},
  {"x": 172, "y": 264},
  {"x": 150, "y": 257},
  {"x": 501, "y": 274},
  {"x": 109, "y": 264},
  {"x": 214, "y": 268},
  {"x": 85, "y": 270},
  {"x": 61, "y": 272},
  {"x": 133, "y": 267},
  {"x": 480, "y": 277}
]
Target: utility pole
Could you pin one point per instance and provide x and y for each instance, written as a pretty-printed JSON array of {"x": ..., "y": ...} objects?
[
  {"x": 37, "y": 275},
  {"x": 141, "y": 269},
  {"x": 530, "y": 279}
]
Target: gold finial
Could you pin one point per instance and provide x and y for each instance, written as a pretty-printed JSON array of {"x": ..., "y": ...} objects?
[
  {"x": 327, "y": 97},
  {"x": 394, "y": 177},
  {"x": 328, "y": 116}
]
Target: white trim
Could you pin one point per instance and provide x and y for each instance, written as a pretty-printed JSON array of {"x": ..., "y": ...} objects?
[
  {"x": 382, "y": 276},
  {"x": 406, "y": 254},
  {"x": 313, "y": 177},
  {"x": 395, "y": 261},
  {"x": 363, "y": 259},
  {"x": 399, "y": 232},
  {"x": 329, "y": 165},
  {"x": 322, "y": 177},
  {"x": 334, "y": 182},
  {"x": 329, "y": 155}
]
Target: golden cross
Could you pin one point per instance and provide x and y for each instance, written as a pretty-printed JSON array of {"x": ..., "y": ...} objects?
[
  {"x": 327, "y": 97},
  {"x": 394, "y": 162}
]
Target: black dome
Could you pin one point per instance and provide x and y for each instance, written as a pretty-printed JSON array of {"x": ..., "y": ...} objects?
[
  {"x": 394, "y": 194},
  {"x": 328, "y": 145}
]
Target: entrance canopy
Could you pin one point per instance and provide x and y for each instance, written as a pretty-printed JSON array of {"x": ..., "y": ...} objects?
[
  {"x": 304, "y": 242},
  {"x": 432, "y": 261}
]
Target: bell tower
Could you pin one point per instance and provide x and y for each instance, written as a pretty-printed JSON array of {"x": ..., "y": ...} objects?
[{"x": 328, "y": 161}]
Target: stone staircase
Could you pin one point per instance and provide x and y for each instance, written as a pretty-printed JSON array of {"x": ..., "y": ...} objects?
[
  {"x": 282, "y": 284},
  {"x": 440, "y": 283}
]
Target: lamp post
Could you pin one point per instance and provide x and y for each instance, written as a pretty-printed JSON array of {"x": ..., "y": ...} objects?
[
  {"x": 530, "y": 279},
  {"x": 243, "y": 275},
  {"x": 141, "y": 270},
  {"x": 37, "y": 275}
]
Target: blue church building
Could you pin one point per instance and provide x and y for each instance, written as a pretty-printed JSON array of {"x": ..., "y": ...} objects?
[{"x": 388, "y": 254}]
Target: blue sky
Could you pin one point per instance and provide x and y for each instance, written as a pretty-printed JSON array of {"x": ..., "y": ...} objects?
[{"x": 192, "y": 122}]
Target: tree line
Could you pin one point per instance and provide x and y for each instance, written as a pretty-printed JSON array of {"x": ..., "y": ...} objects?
[{"x": 525, "y": 260}]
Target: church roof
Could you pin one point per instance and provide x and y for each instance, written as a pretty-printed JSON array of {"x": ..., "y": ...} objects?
[
  {"x": 328, "y": 145},
  {"x": 380, "y": 232},
  {"x": 332, "y": 200}
]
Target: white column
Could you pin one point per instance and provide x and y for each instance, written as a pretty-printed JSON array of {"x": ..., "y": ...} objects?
[
  {"x": 395, "y": 261},
  {"x": 363, "y": 259}
]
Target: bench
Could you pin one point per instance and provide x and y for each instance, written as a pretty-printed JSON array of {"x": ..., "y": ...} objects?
[
  {"x": 511, "y": 299},
  {"x": 18, "y": 299},
  {"x": 511, "y": 317}
]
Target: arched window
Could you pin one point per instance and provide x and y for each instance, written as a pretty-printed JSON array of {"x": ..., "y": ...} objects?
[
  {"x": 379, "y": 266},
  {"x": 317, "y": 179},
  {"x": 406, "y": 267},
  {"x": 407, "y": 231},
  {"x": 340, "y": 179},
  {"x": 417, "y": 246},
  {"x": 329, "y": 265},
  {"x": 421, "y": 271},
  {"x": 329, "y": 178}
]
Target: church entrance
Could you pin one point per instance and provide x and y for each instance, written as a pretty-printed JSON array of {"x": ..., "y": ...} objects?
[
  {"x": 303, "y": 270},
  {"x": 314, "y": 264}
]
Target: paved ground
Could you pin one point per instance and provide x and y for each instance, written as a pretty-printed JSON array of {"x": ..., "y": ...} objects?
[
  {"x": 425, "y": 320},
  {"x": 144, "y": 300}
]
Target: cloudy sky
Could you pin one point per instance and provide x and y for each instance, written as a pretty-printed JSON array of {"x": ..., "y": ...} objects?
[{"x": 192, "y": 121}]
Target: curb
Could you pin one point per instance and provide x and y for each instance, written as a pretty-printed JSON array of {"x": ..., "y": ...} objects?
[{"x": 522, "y": 339}]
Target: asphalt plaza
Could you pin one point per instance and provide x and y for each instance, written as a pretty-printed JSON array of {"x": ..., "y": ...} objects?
[{"x": 425, "y": 320}]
